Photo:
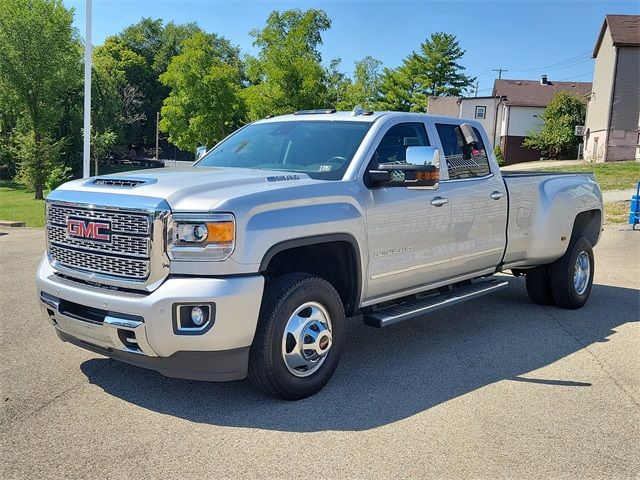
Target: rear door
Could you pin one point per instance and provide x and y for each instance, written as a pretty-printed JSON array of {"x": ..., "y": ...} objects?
[{"x": 478, "y": 200}]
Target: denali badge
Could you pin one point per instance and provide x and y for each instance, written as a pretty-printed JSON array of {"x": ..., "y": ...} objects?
[{"x": 89, "y": 229}]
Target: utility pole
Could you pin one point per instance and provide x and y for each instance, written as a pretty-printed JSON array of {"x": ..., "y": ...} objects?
[
  {"x": 500, "y": 70},
  {"x": 157, "y": 132},
  {"x": 86, "y": 148},
  {"x": 475, "y": 93}
]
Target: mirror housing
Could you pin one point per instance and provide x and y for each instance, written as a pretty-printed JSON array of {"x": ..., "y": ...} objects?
[
  {"x": 420, "y": 170},
  {"x": 468, "y": 134},
  {"x": 200, "y": 152}
]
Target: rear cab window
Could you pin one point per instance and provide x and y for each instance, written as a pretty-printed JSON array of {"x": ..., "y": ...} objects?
[{"x": 463, "y": 160}]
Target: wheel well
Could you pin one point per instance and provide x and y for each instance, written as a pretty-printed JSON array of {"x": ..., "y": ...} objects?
[
  {"x": 587, "y": 224},
  {"x": 337, "y": 262}
]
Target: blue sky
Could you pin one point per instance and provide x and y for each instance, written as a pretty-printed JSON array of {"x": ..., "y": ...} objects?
[{"x": 528, "y": 38}]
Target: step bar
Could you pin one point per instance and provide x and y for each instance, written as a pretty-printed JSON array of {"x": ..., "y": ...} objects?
[{"x": 417, "y": 308}]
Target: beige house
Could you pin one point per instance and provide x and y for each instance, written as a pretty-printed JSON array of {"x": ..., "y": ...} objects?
[
  {"x": 443, "y": 106},
  {"x": 613, "y": 110}
]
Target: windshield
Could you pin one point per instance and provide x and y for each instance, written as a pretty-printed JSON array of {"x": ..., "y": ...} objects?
[{"x": 321, "y": 149}]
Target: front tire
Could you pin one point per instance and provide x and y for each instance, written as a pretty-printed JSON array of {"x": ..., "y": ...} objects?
[
  {"x": 299, "y": 338},
  {"x": 572, "y": 275}
]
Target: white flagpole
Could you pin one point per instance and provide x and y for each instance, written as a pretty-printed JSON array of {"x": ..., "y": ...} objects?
[{"x": 87, "y": 94}]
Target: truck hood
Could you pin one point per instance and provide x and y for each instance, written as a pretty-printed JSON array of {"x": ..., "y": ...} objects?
[{"x": 190, "y": 189}]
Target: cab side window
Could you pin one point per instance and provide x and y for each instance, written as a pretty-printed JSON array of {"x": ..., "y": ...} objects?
[
  {"x": 393, "y": 146},
  {"x": 463, "y": 160}
]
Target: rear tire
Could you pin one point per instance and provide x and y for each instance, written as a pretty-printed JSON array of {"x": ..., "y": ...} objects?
[
  {"x": 299, "y": 338},
  {"x": 539, "y": 285},
  {"x": 572, "y": 275}
]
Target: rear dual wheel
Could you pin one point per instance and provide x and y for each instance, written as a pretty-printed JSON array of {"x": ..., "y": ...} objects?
[{"x": 567, "y": 282}]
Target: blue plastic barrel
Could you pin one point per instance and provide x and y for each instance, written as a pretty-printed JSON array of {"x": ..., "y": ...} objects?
[{"x": 634, "y": 208}]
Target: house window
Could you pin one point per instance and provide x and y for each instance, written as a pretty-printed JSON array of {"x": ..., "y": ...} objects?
[{"x": 481, "y": 111}]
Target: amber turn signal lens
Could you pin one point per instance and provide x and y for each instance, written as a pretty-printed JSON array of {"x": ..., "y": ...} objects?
[
  {"x": 427, "y": 175},
  {"x": 223, "y": 232}
]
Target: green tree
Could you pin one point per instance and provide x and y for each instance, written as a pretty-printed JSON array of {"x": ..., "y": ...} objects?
[
  {"x": 155, "y": 44},
  {"x": 40, "y": 56},
  {"x": 101, "y": 145},
  {"x": 117, "y": 101},
  {"x": 438, "y": 67},
  {"x": 364, "y": 88},
  {"x": 287, "y": 75},
  {"x": 336, "y": 84},
  {"x": 204, "y": 104},
  {"x": 36, "y": 158},
  {"x": 398, "y": 90},
  {"x": 434, "y": 70},
  {"x": 556, "y": 136}
]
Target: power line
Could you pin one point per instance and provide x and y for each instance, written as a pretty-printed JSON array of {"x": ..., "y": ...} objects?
[
  {"x": 577, "y": 76},
  {"x": 583, "y": 57},
  {"x": 560, "y": 67}
]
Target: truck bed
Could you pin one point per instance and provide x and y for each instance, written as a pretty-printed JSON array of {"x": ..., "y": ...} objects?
[{"x": 538, "y": 173}]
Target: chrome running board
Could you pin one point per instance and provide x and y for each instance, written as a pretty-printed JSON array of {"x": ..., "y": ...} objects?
[{"x": 417, "y": 308}]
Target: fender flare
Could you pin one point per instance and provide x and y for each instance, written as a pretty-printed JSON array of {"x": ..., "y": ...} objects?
[{"x": 317, "y": 240}]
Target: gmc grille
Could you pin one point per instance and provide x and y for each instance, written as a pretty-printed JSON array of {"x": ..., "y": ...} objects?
[{"x": 126, "y": 255}]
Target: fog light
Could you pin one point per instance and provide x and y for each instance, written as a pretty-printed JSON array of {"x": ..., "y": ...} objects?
[
  {"x": 193, "y": 319},
  {"x": 197, "y": 316}
]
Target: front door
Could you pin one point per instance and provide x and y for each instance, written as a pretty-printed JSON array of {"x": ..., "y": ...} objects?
[{"x": 407, "y": 228}]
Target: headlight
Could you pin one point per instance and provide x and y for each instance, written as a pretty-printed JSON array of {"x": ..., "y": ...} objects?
[{"x": 192, "y": 236}]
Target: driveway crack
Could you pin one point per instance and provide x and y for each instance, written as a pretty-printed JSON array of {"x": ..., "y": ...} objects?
[{"x": 586, "y": 347}]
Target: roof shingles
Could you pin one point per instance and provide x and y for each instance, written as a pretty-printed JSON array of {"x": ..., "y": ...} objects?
[
  {"x": 531, "y": 93},
  {"x": 624, "y": 30}
]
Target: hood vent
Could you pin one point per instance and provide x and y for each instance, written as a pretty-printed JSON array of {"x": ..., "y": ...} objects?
[{"x": 120, "y": 182}]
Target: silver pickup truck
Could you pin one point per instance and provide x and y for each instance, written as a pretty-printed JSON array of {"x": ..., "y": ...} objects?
[{"x": 251, "y": 261}]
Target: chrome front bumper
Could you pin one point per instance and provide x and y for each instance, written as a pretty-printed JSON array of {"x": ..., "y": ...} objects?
[
  {"x": 132, "y": 325},
  {"x": 114, "y": 332}
]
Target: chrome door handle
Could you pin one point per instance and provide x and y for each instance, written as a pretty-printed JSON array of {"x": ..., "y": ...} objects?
[
  {"x": 439, "y": 201},
  {"x": 497, "y": 195}
]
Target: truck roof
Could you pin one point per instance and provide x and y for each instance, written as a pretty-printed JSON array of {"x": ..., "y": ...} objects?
[{"x": 326, "y": 115}]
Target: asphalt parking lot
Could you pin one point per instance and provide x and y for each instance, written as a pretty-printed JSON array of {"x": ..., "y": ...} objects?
[{"x": 495, "y": 388}]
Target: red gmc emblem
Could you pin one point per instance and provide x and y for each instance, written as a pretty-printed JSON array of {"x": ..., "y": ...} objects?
[{"x": 88, "y": 229}]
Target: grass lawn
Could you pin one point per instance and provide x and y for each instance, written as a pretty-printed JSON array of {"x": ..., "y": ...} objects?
[
  {"x": 617, "y": 212},
  {"x": 610, "y": 176},
  {"x": 17, "y": 204}
]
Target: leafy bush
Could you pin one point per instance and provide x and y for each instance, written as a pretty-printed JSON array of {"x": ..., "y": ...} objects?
[
  {"x": 556, "y": 137},
  {"x": 36, "y": 159},
  {"x": 498, "y": 153},
  {"x": 59, "y": 175}
]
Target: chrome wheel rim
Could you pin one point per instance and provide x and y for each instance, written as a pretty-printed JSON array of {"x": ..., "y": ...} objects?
[
  {"x": 307, "y": 339},
  {"x": 581, "y": 273}
]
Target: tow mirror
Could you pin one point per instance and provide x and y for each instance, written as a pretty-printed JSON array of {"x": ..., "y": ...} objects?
[
  {"x": 468, "y": 134},
  {"x": 200, "y": 151},
  {"x": 420, "y": 170}
]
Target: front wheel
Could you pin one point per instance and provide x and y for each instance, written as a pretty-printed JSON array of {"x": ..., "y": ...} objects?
[
  {"x": 572, "y": 275},
  {"x": 299, "y": 338}
]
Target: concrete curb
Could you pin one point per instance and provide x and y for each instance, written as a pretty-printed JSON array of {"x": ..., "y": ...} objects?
[{"x": 7, "y": 223}]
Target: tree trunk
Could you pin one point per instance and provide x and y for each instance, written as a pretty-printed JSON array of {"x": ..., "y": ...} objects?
[
  {"x": 38, "y": 188},
  {"x": 95, "y": 170}
]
